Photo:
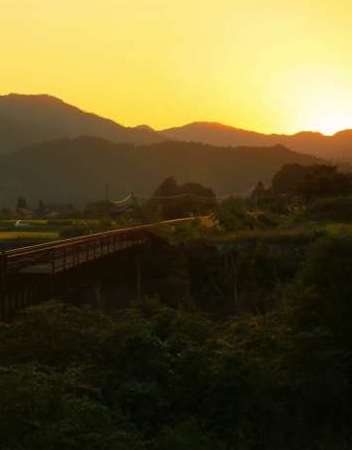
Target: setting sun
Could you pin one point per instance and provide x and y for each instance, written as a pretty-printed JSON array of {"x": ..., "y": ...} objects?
[
  {"x": 330, "y": 123},
  {"x": 175, "y": 224},
  {"x": 169, "y": 63}
]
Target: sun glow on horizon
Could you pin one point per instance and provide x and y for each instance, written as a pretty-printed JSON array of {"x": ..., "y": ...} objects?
[
  {"x": 316, "y": 96},
  {"x": 330, "y": 121},
  {"x": 272, "y": 67},
  {"x": 331, "y": 124}
]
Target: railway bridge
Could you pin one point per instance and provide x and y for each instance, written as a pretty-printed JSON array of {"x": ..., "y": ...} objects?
[{"x": 28, "y": 275}]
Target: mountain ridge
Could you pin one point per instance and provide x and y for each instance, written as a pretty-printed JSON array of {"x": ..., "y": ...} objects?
[
  {"x": 337, "y": 147},
  {"x": 31, "y": 119},
  {"x": 61, "y": 170},
  {"x": 220, "y": 125}
]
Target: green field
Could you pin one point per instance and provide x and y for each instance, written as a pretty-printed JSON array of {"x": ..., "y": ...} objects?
[
  {"x": 28, "y": 235},
  {"x": 38, "y": 231}
]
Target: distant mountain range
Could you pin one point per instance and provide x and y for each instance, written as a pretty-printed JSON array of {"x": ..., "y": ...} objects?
[
  {"x": 77, "y": 170},
  {"x": 53, "y": 151},
  {"x": 334, "y": 148},
  {"x": 30, "y": 119}
]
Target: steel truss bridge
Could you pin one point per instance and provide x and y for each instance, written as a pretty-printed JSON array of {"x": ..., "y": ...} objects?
[{"x": 61, "y": 256}]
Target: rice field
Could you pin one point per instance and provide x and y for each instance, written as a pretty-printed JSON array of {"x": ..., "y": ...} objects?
[
  {"x": 28, "y": 235},
  {"x": 37, "y": 231},
  {"x": 34, "y": 232},
  {"x": 335, "y": 229}
]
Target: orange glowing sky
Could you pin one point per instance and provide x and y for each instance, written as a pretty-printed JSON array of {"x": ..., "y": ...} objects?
[{"x": 266, "y": 65}]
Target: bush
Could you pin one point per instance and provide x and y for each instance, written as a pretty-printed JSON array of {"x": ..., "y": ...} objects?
[
  {"x": 152, "y": 377},
  {"x": 74, "y": 231},
  {"x": 335, "y": 209},
  {"x": 232, "y": 215},
  {"x": 326, "y": 278}
]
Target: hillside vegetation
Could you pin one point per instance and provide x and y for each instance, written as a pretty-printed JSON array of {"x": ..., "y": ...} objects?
[
  {"x": 337, "y": 147},
  {"x": 30, "y": 119},
  {"x": 241, "y": 339},
  {"x": 274, "y": 375},
  {"x": 78, "y": 170}
]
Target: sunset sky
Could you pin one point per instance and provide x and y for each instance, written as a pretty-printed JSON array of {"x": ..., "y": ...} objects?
[{"x": 266, "y": 65}]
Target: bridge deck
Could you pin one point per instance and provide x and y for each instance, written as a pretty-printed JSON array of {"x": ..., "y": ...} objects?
[{"x": 62, "y": 255}]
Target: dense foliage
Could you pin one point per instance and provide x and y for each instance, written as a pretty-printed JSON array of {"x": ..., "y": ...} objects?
[
  {"x": 337, "y": 209},
  {"x": 311, "y": 181},
  {"x": 172, "y": 200},
  {"x": 155, "y": 377},
  {"x": 66, "y": 176},
  {"x": 241, "y": 342}
]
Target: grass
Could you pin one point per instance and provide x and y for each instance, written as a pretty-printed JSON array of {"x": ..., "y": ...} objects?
[
  {"x": 274, "y": 235},
  {"x": 304, "y": 232},
  {"x": 42, "y": 230},
  {"x": 28, "y": 235},
  {"x": 336, "y": 229}
]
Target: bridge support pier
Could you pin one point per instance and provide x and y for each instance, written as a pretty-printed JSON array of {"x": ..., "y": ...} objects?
[
  {"x": 100, "y": 304},
  {"x": 139, "y": 277}
]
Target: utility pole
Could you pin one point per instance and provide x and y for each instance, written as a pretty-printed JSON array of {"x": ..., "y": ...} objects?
[{"x": 107, "y": 196}]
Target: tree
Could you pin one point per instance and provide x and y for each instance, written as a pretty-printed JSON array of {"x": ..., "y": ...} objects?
[
  {"x": 232, "y": 214},
  {"x": 174, "y": 200},
  {"x": 41, "y": 208},
  {"x": 21, "y": 203},
  {"x": 311, "y": 181},
  {"x": 259, "y": 191},
  {"x": 325, "y": 285},
  {"x": 167, "y": 188}
]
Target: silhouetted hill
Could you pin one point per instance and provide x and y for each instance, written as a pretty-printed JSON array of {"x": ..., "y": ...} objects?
[
  {"x": 77, "y": 170},
  {"x": 337, "y": 147},
  {"x": 29, "y": 119}
]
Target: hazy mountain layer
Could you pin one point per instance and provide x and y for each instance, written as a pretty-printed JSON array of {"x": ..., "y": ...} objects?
[
  {"x": 337, "y": 147},
  {"x": 29, "y": 119},
  {"x": 77, "y": 170}
]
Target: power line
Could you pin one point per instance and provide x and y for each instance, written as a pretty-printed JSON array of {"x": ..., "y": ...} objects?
[{"x": 172, "y": 197}]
